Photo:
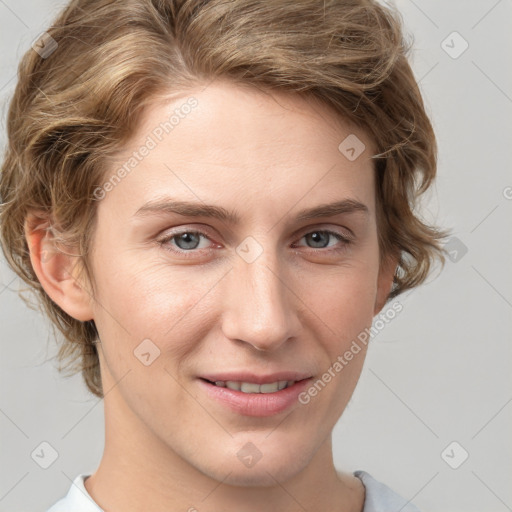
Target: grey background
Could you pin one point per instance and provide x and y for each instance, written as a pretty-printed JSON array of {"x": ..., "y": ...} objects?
[{"x": 440, "y": 372}]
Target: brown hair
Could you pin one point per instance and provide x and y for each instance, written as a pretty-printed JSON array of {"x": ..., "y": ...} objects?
[{"x": 74, "y": 108}]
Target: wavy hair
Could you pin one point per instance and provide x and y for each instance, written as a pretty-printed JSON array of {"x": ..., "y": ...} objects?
[{"x": 74, "y": 108}]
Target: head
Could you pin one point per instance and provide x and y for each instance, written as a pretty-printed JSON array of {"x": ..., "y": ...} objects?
[{"x": 256, "y": 112}]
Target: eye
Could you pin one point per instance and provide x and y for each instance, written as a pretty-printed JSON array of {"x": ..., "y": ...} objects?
[
  {"x": 320, "y": 239},
  {"x": 183, "y": 242}
]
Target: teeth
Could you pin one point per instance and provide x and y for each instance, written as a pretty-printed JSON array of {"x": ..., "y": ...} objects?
[
  {"x": 248, "y": 387},
  {"x": 269, "y": 388},
  {"x": 251, "y": 387}
]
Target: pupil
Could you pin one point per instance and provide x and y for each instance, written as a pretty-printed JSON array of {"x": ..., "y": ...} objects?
[
  {"x": 187, "y": 238},
  {"x": 317, "y": 236}
]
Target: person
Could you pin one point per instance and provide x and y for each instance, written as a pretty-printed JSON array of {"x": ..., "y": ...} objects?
[{"x": 212, "y": 202}]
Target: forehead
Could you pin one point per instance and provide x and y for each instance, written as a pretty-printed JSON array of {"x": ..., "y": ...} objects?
[
  {"x": 240, "y": 142},
  {"x": 247, "y": 115}
]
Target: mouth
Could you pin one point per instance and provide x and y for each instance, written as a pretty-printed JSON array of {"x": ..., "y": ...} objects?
[
  {"x": 253, "y": 387},
  {"x": 250, "y": 395}
]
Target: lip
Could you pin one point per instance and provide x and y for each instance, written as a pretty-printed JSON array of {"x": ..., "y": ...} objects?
[
  {"x": 255, "y": 404},
  {"x": 244, "y": 376}
]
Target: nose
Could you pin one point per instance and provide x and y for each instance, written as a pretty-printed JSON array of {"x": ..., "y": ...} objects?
[{"x": 260, "y": 307}]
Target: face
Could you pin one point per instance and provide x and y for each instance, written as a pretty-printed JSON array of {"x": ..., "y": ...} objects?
[{"x": 237, "y": 286}]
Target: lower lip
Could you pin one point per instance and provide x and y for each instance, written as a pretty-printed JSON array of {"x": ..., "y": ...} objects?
[{"x": 256, "y": 404}]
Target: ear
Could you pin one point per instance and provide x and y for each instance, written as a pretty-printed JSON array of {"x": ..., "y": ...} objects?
[
  {"x": 385, "y": 282},
  {"x": 57, "y": 269}
]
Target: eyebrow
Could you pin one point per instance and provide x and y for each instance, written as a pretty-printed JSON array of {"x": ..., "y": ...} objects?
[{"x": 192, "y": 209}]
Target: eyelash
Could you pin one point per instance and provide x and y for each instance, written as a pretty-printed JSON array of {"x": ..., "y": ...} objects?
[{"x": 163, "y": 242}]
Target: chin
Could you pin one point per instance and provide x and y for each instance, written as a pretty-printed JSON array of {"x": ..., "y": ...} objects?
[
  {"x": 249, "y": 467},
  {"x": 262, "y": 476}
]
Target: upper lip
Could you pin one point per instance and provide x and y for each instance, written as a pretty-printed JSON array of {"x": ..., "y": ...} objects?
[{"x": 244, "y": 376}]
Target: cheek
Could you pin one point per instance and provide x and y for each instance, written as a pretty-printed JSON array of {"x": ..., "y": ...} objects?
[
  {"x": 346, "y": 307},
  {"x": 344, "y": 300},
  {"x": 138, "y": 301}
]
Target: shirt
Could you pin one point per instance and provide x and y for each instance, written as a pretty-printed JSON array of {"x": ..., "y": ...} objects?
[{"x": 378, "y": 497}]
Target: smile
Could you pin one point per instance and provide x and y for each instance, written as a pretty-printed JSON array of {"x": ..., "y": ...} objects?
[
  {"x": 252, "y": 387},
  {"x": 250, "y": 398}
]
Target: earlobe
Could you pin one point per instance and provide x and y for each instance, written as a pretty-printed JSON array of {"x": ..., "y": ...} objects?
[
  {"x": 57, "y": 269},
  {"x": 385, "y": 282}
]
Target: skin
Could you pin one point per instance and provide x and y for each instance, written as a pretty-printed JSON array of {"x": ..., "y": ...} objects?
[{"x": 298, "y": 306}]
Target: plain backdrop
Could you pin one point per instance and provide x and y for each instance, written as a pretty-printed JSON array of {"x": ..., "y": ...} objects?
[{"x": 436, "y": 386}]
